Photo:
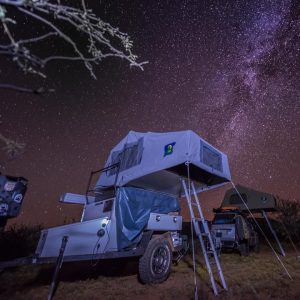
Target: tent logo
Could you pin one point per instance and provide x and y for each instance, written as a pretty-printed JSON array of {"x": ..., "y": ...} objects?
[{"x": 169, "y": 149}]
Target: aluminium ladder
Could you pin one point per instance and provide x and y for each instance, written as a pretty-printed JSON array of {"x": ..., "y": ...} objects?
[{"x": 200, "y": 235}]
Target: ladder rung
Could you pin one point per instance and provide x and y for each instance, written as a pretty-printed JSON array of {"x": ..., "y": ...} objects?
[
  {"x": 199, "y": 220},
  {"x": 203, "y": 234}
]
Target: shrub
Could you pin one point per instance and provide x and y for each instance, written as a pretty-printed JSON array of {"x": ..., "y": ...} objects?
[
  {"x": 289, "y": 215},
  {"x": 19, "y": 241}
]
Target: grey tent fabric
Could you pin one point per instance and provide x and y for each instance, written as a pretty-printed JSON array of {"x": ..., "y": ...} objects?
[
  {"x": 157, "y": 161},
  {"x": 133, "y": 208}
]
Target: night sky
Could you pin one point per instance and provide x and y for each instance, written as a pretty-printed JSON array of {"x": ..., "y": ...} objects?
[{"x": 228, "y": 70}]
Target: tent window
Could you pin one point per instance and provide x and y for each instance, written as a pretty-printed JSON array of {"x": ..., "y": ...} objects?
[
  {"x": 211, "y": 157},
  {"x": 235, "y": 199},
  {"x": 130, "y": 156}
]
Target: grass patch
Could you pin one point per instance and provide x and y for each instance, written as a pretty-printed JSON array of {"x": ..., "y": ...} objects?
[{"x": 258, "y": 276}]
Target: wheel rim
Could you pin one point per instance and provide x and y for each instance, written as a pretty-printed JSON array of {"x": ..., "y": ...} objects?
[{"x": 160, "y": 261}]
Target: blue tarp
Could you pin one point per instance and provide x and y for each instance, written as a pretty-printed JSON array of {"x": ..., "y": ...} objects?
[{"x": 133, "y": 208}]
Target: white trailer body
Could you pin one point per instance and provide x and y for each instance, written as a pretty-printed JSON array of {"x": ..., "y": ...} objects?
[
  {"x": 151, "y": 163},
  {"x": 97, "y": 232}
]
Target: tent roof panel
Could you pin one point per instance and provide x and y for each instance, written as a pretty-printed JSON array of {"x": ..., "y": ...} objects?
[{"x": 158, "y": 160}]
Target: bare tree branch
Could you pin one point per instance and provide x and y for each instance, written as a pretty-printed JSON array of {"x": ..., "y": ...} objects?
[
  {"x": 101, "y": 39},
  {"x": 12, "y": 148},
  {"x": 38, "y": 91}
]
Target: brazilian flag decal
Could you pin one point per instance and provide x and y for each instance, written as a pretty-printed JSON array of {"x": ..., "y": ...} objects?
[{"x": 169, "y": 149}]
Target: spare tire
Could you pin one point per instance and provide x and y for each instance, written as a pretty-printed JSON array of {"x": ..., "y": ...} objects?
[
  {"x": 241, "y": 228},
  {"x": 155, "y": 264}
]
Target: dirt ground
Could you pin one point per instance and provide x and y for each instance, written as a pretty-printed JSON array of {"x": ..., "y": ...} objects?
[{"x": 259, "y": 276}]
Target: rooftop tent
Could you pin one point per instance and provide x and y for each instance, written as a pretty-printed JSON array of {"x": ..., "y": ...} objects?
[
  {"x": 156, "y": 161},
  {"x": 255, "y": 200}
]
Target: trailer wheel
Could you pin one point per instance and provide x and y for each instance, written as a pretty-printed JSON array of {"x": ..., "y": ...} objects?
[{"x": 155, "y": 264}]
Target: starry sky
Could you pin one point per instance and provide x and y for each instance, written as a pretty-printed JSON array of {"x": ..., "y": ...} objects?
[{"x": 228, "y": 70}]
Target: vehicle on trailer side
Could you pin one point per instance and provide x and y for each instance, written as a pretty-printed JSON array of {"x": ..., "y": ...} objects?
[
  {"x": 234, "y": 230},
  {"x": 234, "y": 223},
  {"x": 12, "y": 192}
]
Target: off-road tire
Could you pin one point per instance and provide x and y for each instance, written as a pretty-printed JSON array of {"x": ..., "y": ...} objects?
[
  {"x": 244, "y": 248},
  {"x": 155, "y": 264}
]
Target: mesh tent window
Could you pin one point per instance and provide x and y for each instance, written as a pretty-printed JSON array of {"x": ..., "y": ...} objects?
[
  {"x": 211, "y": 157},
  {"x": 130, "y": 156}
]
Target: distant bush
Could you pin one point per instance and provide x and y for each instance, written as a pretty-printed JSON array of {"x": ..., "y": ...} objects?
[
  {"x": 19, "y": 241},
  {"x": 289, "y": 215}
]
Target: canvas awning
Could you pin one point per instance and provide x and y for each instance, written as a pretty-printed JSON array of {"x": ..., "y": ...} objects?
[{"x": 255, "y": 200}]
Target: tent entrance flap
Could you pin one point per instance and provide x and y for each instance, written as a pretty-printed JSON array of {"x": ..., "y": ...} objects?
[{"x": 133, "y": 208}]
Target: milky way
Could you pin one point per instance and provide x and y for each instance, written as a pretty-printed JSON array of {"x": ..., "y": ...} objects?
[{"x": 229, "y": 70}]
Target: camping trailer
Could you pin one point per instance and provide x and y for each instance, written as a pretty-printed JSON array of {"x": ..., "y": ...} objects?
[{"x": 133, "y": 210}]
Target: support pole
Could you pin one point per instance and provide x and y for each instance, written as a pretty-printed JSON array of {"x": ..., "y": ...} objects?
[
  {"x": 291, "y": 241},
  {"x": 58, "y": 265},
  {"x": 273, "y": 232}
]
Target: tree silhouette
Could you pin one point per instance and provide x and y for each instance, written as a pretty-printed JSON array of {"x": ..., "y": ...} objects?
[
  {"x": 89, "y": 38},
  {"x": 98, "y": 39}
]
